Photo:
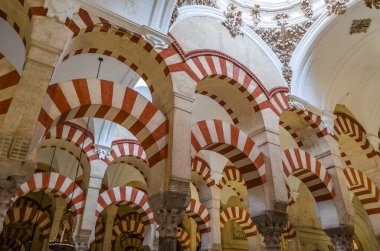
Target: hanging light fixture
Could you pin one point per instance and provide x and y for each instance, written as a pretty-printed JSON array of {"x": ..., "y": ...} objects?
[{"x": 69, "y": 244}]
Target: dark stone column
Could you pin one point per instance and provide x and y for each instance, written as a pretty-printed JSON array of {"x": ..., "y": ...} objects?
[
  {"x": 341, "y": 237},
  {"x": 169, "y": 209},
  {"x": 270, "y": 225}
]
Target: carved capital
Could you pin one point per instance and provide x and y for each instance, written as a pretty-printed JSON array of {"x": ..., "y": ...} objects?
[
  {"x": 169, "y": 209},
  {"x": 270, "y": 225},
  {"x": 62, "y": 9},
  {"x": 341, "y": 237}
]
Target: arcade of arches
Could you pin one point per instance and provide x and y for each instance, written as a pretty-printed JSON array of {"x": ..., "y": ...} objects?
[{"x": 189, "y": 125}]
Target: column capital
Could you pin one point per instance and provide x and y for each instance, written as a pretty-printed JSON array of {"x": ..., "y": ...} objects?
[
  {"x": 270, "y": 225},
  {"x": 341, "y": 237}
]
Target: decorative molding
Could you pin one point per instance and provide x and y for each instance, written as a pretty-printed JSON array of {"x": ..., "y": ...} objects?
[
  {"x": 181, "y": 3},
  {"x": 256, "y": 14},
  {"x": 234, "y": 21},
  {"x": 102, "y": 151},
  {"x": 372, "y": 3},
  {"x": 360, "y": 26},
  {"x": 168, "y": 221},
  {"x": 13, "y": 147},
  {"x": 283, "y": 40},
  {"x": 307, "y": 9},
  {"x": 62, "y": 9},
  {"x": 337, "y": 7}
]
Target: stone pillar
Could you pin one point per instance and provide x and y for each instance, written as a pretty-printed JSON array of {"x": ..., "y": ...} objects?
[
  {"x": 110, "y": 217},
  {"x": 341, "y": 237},
  {"x": 88, "y": 219},
  {"x": 4, "y": 205},
  {"x": 60, "y": 206},
  {"x": 169, "y": 184},
  {"x": 212, "y": 241},
  {"x": 48, "y": 39},
  {"x": 270, "y": 225}
]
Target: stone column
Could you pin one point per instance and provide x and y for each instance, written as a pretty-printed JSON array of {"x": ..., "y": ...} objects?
[
  {"x": 341, "y": 237},
  {"x": 110, "y": 217},
  {"x": 168, "y": 221},
  {"x": 270, "y": 225},
  {"x": 169, "y": 184},
  {"x": 48, "y": 39},
  {"x": 4, "y": 205},
  {"x": 60, "y": 206},
  {"x": 212, "y": 241},
  {"x": 88, "y": 219}
]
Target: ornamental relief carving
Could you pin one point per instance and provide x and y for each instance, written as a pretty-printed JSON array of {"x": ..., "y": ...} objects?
[
  {"x": 234, "y": 21},
  {"x": 283, "y": 40}
]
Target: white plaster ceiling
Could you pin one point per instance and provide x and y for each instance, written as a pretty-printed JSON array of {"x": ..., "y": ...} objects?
[
  {"x": 340, "y": 68},
  {"x": 152, "y": 13}
]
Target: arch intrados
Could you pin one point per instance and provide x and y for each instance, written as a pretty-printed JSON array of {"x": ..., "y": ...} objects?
[
  {"x": 127, "y": 48},
  {"x": 236, "y": 101}
]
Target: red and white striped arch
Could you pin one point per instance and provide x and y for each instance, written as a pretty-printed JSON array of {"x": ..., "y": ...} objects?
[
  {"x": 104, "y": 99},
  {"x": 289, "y": 232},
  {"x": 184, "y": 239},
  {"x": 241, "y": 216},
  {"x": 230, "y": 174},
  {"x": 231, "y": 142},
  {"x": 56, "y": 184},
  {"x": 364, "y": 189},
  {"x": 289, "y": 121},
  {"x": 200, "y": 214},
  {"x": 202, "y": 168},
  {"x": 122, "y": 149},
  {"x": 9, "y": 79},
  {"x": 345, "y": 125},
  {"x": 30, "y": 215},
  {"x": 200, "y": 64},
  {"x": 99, "y": 231},
  {"x": 124, "y": 46},
  {"x": 310, "y": 171},
  {"x": 128, "y": 226},
  {"x": 129, "y": 196},
  {"x": 13, "y": 238},
  {"x": 74, "y": 134}
]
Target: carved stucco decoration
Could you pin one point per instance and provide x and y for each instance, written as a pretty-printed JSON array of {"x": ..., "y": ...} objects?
[
  {"x": 307, "y": 9},
  {"x": 181, "y": 3},
  {"x": 256, "y": 14},
  {"x": 62, "y": 9},
  {"x": 337, "y": 7},
  {"x": 284, "y": 39},
  {"x": 372, "y": 3},
  {"x": 360, "y": 26},
  {"x": 234, "y": 20}
]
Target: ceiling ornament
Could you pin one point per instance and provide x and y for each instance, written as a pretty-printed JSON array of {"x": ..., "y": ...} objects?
[
  {"x": 372, "y": 3},
  {"x": 283, "y": 40},
  {"x": 256, "y": 14},
  {"x": 360, "y": 26},
  {"x": 181, "y": 3},
  {"x": 337, "y": 7},
  {"x": 234, "y": 20},
  {"x": 307, "y": 9}
]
